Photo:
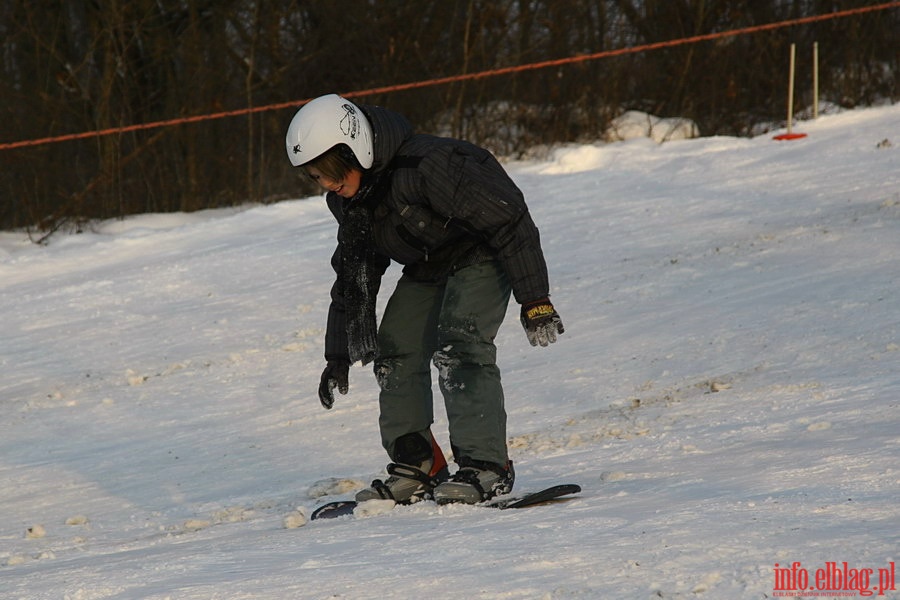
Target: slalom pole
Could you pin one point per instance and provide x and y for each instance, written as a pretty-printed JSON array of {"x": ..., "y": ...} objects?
[
  {"x": 790, "y": 105},
  {"x": 815, "y": 80}
]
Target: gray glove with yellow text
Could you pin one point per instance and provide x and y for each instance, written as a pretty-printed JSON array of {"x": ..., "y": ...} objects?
[{"x": 541, "y": 322}]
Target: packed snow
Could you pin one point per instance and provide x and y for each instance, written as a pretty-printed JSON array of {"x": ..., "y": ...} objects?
[{"x": 726, "y": 394}]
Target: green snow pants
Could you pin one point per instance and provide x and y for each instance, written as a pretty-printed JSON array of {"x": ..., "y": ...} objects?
[{"x": 453, "y": 324}]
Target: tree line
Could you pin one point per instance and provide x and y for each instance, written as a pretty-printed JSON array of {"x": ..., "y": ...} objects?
[{"x": 70, "y": 66}]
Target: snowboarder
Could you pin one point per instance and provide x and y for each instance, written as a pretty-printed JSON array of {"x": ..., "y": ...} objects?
[{"x": 448, "y": 212}]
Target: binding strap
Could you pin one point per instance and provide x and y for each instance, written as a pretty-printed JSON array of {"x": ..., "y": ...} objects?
[
  {"x": 470, "y": 477},
  {"x": 406, "y": 472}
]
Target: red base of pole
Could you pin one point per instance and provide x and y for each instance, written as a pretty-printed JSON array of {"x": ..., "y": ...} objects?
[{"x": 789, "y": 136}]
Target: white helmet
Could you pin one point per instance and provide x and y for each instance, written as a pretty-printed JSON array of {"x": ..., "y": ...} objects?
[{"x": 325, "y": 122}]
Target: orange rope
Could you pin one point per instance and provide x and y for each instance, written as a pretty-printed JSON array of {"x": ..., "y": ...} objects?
[
  {"x": 455, "y": 78},
  {"x": 623, "y": 51}
]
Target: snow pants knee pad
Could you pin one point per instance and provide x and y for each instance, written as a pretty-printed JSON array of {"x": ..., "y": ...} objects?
[{"x": 384, "y": 369}]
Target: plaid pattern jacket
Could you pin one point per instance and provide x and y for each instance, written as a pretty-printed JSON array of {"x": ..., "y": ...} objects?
[{"x": 449, "y": 204}]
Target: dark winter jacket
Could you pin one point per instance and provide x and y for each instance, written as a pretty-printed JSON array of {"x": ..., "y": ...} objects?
[{"x": 449, "y": 204}]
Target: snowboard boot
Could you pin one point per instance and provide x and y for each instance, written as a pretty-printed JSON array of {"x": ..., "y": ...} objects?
[
  {"x": 475, "y": 482},
  {"x": 419, "y": 468}
]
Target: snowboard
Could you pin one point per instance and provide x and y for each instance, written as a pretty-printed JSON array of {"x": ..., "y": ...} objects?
[{"x": 342, "y": 508}]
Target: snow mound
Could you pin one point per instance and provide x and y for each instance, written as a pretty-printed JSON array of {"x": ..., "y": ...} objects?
[{"x": 635, "y": 124}]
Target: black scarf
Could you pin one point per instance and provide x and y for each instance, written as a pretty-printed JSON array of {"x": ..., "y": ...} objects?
[{"x": 360, "y": 276}]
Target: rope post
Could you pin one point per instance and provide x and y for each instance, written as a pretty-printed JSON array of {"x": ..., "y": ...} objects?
[
  {"x": 790, "y": 106},
  {"x": 790, "y": 103},
  {"x": 815, "y": 80}
]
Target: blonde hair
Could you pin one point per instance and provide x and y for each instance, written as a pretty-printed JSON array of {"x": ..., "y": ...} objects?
[{"x": 336, "y": 163}]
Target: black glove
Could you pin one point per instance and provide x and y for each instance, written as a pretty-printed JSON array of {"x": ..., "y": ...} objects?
[
  {"x": 335, "y": 375},
  {"x": 541, "y": 322}
]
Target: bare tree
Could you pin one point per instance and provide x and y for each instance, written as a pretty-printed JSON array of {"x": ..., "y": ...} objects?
[{"x": 71, "y": 66}]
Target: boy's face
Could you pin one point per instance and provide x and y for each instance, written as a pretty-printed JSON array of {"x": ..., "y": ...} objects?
[{"x": 347, "y": 187}]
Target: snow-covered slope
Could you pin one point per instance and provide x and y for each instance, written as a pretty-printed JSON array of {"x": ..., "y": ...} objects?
[{"x": 726, "y": 393}]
